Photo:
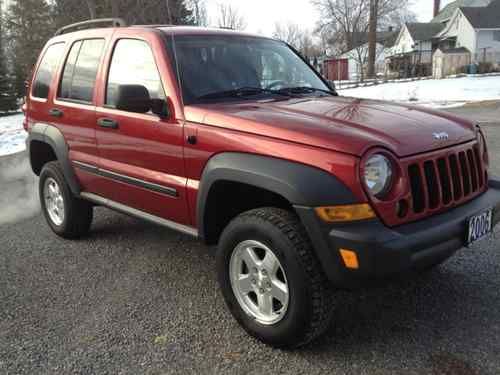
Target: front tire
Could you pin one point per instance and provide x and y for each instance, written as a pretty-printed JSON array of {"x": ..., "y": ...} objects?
[
  {"x": 271, "y": 280},
  {"x": 68, "y": 216}
]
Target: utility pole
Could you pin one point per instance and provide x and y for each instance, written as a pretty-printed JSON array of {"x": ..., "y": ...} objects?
[{"x": 372, "y": 37}]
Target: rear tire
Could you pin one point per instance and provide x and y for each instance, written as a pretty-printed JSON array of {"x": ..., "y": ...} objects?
[
  {"x": 68, "y": 216},
  {"x": 274, "y": 236}
]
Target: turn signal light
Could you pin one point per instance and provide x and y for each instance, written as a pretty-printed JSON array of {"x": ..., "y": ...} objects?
[
  {"x": 350, "y": 259},
  {"x": 342, "y": 214}
]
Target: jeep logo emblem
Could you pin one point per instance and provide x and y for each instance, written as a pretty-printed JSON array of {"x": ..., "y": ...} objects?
[{"x": 440, "y": 136}]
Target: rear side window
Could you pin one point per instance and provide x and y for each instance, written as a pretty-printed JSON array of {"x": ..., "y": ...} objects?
[
  {"x": 80, "y": 71},
  {"x": 133, "y": 64},
  {"x": 46, "y": 70}
]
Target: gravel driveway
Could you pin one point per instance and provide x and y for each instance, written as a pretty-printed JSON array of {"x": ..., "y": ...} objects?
[{"x": 135, "y": 298}]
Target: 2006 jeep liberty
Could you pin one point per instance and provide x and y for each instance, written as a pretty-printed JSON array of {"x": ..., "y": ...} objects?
[{"x": 237, "y": 140}]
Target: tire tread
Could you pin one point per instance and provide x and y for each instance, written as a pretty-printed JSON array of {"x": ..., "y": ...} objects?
[
  {"x": 322, "y": 294},
  {"x": 79, "y": 212}
]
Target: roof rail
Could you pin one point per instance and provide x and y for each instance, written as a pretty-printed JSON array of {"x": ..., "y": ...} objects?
[{"x": 113, "y": 22}]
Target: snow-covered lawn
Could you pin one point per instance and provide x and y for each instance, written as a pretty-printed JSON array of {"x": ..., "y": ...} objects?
[
  {"x": 12, "y": 134},
  {"x": 433, "y": 93}
]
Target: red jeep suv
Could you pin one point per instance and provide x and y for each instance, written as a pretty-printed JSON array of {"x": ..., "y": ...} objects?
[{"x": 237, "y": 140}]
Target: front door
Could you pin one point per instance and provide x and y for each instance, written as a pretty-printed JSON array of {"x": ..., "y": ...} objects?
[{"x": 141, "y": 155}]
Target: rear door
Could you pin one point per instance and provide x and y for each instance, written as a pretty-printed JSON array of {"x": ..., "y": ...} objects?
[
  {"x": 73, "y": 107},
  {"x": 141, "y": 155},
  {"x": 44, "y": 78}
]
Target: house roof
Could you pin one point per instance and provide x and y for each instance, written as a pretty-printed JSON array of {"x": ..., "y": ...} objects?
[
  {"x": 386, "y": 38},
  {"x": 423, "y": 31},
  {"x": 453, "y": 51},
  {"x": 485, "y": 17},
  {"x": 447, "y": 12}
]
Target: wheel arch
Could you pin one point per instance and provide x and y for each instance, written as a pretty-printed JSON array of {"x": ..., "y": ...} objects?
[
  {"x": 284, "y": 183},
  {"x": 46, "y": 143}
]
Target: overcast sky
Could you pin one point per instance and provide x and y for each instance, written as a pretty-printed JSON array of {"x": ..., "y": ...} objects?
[{"x": 261, "y": 15}]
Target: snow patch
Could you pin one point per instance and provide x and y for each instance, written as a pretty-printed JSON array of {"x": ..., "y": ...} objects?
[
  {"x": 12, "y": 134},
  {"x": 443, "y": 93}
]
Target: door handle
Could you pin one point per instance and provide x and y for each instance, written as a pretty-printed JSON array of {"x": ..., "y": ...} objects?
[
  {"x": 108, "y": 123},
  {"x": 56, "y": 112}
]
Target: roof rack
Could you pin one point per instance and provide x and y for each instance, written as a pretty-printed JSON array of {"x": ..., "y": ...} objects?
[{"x": 113, "y": 22}]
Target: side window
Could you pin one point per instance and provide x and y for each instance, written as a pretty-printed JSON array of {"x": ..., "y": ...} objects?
[
  {"x": 80, "y": 71},
  {"x": 496, "y": 35},
  {"x": 133, "y": 64},
  {"x": 46, "y": 70}
]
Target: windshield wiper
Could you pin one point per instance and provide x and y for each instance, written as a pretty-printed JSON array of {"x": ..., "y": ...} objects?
[
  {"x": 304, "y": 90},
  {"x": 242, "y": 92}
]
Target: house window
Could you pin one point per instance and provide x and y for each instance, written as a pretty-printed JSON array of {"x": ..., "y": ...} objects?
[{"x": 496, "y": 35}]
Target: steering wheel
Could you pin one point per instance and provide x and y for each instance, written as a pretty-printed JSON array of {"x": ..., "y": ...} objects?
[{"x": 275, "y": 84}]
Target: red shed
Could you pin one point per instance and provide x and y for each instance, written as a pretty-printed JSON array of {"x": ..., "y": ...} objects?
[{"x": 336, "y": 69}]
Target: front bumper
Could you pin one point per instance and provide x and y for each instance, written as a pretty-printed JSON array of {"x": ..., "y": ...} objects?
[{"x": 384, "y": 251}]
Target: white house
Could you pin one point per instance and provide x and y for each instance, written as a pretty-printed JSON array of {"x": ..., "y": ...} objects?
[
  {"x": 417, "y": 39},
  {"x": 477, "y": 29},
  {"x": 358, "y": 56}
]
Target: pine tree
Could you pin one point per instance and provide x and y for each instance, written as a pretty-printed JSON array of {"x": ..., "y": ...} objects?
[
  {"x": 29, "y": 25},
  {"x": 132, "y": 11},
  {"x": 8, "y": 100}
]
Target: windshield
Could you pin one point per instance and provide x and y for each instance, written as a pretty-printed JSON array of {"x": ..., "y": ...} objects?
[{"x": 219, "y": 67}]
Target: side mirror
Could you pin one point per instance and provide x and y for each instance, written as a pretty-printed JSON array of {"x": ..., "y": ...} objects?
[
  {"x": 160, "y": 108},
  {"x": 133, "y": 98}
]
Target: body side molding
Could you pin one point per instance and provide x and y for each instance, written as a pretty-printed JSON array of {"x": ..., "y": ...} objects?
[{"x": 126, "y": 179}]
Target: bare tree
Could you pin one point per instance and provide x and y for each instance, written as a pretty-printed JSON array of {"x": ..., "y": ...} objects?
[
  {"x": 289, "y": 33},
  {"x": 300, "y": 39},
  {"x": 199, "y": 10},
  {"x": 345, "y": 22},
  {"x": 92, "y": 8},
  {"x": 230, "y": 18}
]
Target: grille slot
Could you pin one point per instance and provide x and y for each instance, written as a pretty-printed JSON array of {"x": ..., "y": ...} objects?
[
  {"x": 465, "y": 173},
  {"x": 417, "y": 189},
  {"x": 444, "y": 177},
  {"x": 455, "y": 174},
  {"x": 432, "y": 184},
  {"x": 445, "y": 181}
]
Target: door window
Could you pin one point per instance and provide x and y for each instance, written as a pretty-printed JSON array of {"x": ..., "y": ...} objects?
[
  {"x": 48, "y": 66},
  {"x": 80, "y": 71},
  {"x": 133, "y": 64}
]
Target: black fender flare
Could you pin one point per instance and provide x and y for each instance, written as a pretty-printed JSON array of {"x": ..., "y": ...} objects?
[
  {"x": 52, "y": 136},
  {"x": 300, "y": 184}
]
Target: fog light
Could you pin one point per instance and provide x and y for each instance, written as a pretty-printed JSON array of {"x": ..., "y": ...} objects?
[
  {"x": 339, "y": 214},
  {"x": 350, "y": 259}
]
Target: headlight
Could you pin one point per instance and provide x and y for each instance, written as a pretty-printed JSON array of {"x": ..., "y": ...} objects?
[{"x": 378, "y": 174}]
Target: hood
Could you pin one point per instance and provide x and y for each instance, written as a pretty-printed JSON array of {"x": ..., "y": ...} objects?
[{"x": 342, "y": 124}]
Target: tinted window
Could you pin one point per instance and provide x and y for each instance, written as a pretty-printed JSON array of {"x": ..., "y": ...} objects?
[
  {"x": 133, "y": 64},
  {"x": 216, "y": 63},
  {"x": 81, "y": 69},
  {"x": 46, "y": 70}
]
